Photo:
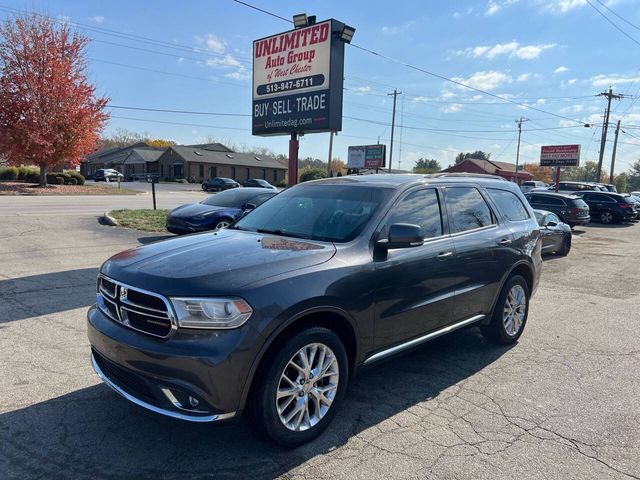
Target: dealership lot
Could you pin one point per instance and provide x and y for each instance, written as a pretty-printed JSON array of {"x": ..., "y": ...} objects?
[{"x": 563, "y": 403}]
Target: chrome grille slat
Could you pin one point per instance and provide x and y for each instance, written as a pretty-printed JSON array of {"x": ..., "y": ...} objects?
[{"x": 113, "y": 300}]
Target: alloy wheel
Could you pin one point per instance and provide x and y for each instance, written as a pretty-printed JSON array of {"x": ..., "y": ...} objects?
[
  {"x": 307, "y": 387},
  {"x": 606, "y": 217},
  {"x": 515, "y": 309}
]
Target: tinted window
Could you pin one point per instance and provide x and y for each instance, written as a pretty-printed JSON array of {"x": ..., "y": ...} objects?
[
  {"x": 332, "y": 213},
  {"x": 467, "y": 209},
  {"x": 260, "y": 199},
  {"x": 235, "y": 198},
  {"x": 419, "y": 208},
  {"x": 552, "y": 201},
  {"x": 509, "y": 204},
  {"x": 579, "y": 203}
]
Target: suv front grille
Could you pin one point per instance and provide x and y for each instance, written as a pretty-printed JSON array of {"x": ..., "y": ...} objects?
[{"x": 135, "y": 308}]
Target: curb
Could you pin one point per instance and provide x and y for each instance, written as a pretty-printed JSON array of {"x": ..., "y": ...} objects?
[{"x": 109, "y": 220}]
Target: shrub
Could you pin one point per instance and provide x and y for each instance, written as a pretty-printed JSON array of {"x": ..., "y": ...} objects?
[
  {"x": 24, "y": 171},
  {"x": 312, "y": 174},
  {"x": 181, "y": 180},
  {"x": 77, "y": 175},
  {"x": 32, "y": 177},
  {"x": 57, "y": 180},
  {"x": 9, "y": 173},
  {"x": 282, "y": 184}
]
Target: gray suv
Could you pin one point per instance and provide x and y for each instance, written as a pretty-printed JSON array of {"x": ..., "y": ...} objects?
[{"x": 274, "y": 315}]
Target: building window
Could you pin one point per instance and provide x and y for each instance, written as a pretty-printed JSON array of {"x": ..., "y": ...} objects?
[
  {"x": 275, "y": 175},
  {"x": 248, "y": 174},
  {"x": 213, "y": 172},
  {"x": 233, "y": 172},
  {"x": 264, "y": 173},
  {"x": 201, "y": 172}
]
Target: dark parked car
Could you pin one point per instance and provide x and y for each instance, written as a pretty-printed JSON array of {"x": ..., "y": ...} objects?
[
  {"x": 609, "y": 207},
  {"x": 571, "y": 209},
  {"x": 219, "y": 184},
  {"x": 258, "y": 182},
  {"x": 107, "y": 175},
  {"x": 274, "y": 315},
  {"x": 217, "y": 211},
  {"x": 556, "y": 235}
]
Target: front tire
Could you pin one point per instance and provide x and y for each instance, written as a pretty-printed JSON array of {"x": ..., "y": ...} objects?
[
  {"x": 302, "y": 388},
  {"x": 510, "y": 313},
  {"x": 204, "y": 187}
]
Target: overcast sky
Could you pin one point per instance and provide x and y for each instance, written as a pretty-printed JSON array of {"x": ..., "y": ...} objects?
[{"x": 554, "y": 55}]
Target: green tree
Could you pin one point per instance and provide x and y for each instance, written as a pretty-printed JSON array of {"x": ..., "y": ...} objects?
[
  {"x": 478, "y": 155},
  {"x": 633, "y": 177},
  {"x": 312, "y": 174},
  {"x": 621, "y": 182},
  {"x": 424, "y": 165}
]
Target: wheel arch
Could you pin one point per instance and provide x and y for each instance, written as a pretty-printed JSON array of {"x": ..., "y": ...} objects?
[
  {"x": 523, "y": 269},
  {"x": 335, "y": 319}
]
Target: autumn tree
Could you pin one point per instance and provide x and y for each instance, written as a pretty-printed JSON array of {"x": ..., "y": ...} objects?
[
  {"x": 543, "y": 174},
  {"x": 425, "y": 166},
  {"x": 49, "y": 113}
]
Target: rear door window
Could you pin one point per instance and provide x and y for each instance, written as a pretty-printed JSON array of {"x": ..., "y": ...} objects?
[
  {"x": 509, "y": 204},
  {"x": 466, "y": 209}
]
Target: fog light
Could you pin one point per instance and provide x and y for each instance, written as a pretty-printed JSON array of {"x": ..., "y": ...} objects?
[{"x": 193, "y": 401}]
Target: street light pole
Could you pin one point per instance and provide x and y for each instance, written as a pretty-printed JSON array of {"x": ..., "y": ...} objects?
[{"x": 519, "y": 122}]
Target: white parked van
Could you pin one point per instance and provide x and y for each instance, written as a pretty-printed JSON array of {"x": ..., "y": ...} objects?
[{"x": 526, "y": 187}]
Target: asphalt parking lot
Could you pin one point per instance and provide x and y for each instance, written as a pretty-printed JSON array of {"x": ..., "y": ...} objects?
[{"x": 563, "y": 403}]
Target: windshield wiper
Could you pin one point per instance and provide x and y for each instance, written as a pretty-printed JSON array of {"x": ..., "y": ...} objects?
[{"x": 282, "y": 233}]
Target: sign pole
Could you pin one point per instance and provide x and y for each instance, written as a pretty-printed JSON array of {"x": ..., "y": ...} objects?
[
  {"x": 293, "y": 159},
  {"x": 557, "y": 178},
  {"x": 153, "y": 192},
  {"x": 330, "y": 153}
]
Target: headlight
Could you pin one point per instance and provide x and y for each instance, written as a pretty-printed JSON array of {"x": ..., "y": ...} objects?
[
  {"x": 211, "y": 312},
  {"x": 202, "y": 216}
]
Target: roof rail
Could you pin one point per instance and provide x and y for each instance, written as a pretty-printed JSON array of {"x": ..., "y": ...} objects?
[{"x": 466, "y": 175}]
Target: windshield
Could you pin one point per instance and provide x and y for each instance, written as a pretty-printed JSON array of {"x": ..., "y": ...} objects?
[
  {"x": 235, "y": 198},
  {"x": 330, "y": 213}
]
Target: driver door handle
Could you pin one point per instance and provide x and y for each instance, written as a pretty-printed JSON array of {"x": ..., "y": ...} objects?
[
  {"x": 443, "y": 255},
  {"x": 504, "y": 242}
]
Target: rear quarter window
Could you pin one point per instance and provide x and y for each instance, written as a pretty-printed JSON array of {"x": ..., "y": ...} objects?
[
  {"x": 509, "y": 204},
  {"x": 467, "y": 209}
]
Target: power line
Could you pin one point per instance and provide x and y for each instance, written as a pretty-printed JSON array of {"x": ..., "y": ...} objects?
[
  {"x": 427, "y": 72},
  {"x": 613, "y": 23},
  {"x": 619, "y": 16}
]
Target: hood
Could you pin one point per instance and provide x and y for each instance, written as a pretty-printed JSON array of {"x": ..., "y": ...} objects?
[
  {"x": 213, "y": 263},
  {"x": 193, "y": 209}
]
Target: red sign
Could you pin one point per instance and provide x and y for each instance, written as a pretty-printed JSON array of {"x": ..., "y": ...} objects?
[{"x": 560, "y": 155}]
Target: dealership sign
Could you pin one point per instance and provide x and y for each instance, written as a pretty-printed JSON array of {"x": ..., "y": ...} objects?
[
  {"x": 367, "y": 156},
  {"x": 560, "y": 156},
  {"x": 297, "y": 81}
]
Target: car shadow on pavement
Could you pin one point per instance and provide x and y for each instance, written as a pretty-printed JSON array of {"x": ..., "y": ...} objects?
[
  {"x": 92, "y": 432},
  {"x": 155, "y": 238},
  {"x": 611, "y": 225},
  {"x": 47, "y": 293}
]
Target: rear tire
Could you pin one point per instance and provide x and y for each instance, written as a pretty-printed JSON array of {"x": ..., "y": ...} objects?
[
  {"x": 510, "y": 313},
  {"x": 566, "y": 246},
  {"x": 204, "y": 187},
  {"x": 607, "y": 217},
  {"x": 293, "y": 404}
]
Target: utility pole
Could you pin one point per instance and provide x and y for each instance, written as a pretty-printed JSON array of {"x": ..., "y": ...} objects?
[
  {"x": 401, "y": 130},
  {"x": 330, "y": 153},
  {"x": 519, "y": 123},
  {"x": 610, "y": 95},
  {"x": 613, "y": 155},
  {"x": 393, "y": 124}
]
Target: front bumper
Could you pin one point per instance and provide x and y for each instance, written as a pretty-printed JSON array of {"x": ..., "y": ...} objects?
[{"x": 198, "y": 377}]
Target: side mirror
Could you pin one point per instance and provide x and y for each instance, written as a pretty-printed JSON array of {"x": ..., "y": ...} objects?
[
  {"x": 249, "y": 206},
  {"x": 403, "y": 235},
  {"x": 551, "y": 224}
]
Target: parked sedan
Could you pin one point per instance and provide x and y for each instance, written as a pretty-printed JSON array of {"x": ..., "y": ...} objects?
[
  {"x": 219, "y": 184},
  {"x": 555, "y": 235},
  {"x": 107, "y": 175},
  {"x": 217, "y": 211},
  {"x": 258, "y": 182},
  {"x": 609, "y": 207},
  {"x": 570, "y": 208}
]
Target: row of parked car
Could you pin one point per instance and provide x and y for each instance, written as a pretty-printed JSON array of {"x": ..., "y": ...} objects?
[{"x": 219, "y": 184}]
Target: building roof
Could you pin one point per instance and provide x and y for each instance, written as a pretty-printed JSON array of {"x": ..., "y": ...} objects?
[
  {"x": 213, "y": 147},
  {"x": 121, "y": 155},
  {"x": 198, "y": 155}
]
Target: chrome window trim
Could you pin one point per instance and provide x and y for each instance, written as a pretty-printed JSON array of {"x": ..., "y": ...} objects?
[
  {"x": 153, "y": 408},
  {"x": 425, "y": 338},
  {"x": 171, "y": 315}
]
